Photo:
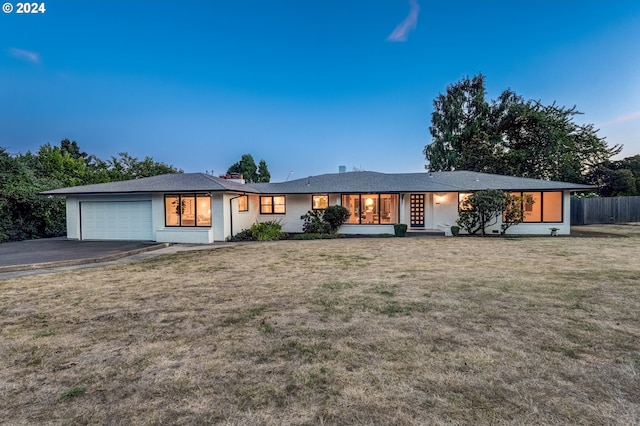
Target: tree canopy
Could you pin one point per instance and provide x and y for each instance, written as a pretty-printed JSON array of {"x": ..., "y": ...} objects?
[
  {"x": 617, "y": 178},
  {"x": 250, "y": 172},
  {"x": 511, "y": 136},
  {"x": 24, "y": 214}
]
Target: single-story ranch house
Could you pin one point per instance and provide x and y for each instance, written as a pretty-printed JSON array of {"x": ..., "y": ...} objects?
[{"x": 200, "y": 208}]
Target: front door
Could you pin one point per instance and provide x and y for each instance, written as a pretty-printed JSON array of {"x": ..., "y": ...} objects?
[{"x": 417, "y": 210}]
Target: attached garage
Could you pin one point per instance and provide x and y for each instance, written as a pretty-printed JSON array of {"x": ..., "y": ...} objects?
[{"x": 115, "y": 220}]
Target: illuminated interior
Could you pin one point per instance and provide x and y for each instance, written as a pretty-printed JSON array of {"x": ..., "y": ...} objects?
[
  {"x": 319, "y": 202},
  {"x": 243, "y": 203},
  {"x": 187, "y": 210},
  {"x": 272, "y": 204},
  {"x": 203, "y": 210},
  {"x": 371, "y": 209},
  {"x": 545, "y": 206},
  {"x": 462, "y": 199}
]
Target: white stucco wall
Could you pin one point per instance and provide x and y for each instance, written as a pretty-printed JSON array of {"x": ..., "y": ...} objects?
[{"x": 244, "y": 220}]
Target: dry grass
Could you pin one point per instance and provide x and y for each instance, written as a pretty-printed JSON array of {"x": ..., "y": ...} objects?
[{"x": 356, "y": 331}]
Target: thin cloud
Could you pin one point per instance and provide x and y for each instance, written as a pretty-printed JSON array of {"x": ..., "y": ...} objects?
[
  {"x": 402, "y": 31},
  {"x": 25, "y": 55},
  {"x": 622, "y": 119}
]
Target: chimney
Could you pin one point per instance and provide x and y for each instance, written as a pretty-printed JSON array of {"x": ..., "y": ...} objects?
[
  {"x": 234, "y": 177},
  {"x": 342, "y": 169}
]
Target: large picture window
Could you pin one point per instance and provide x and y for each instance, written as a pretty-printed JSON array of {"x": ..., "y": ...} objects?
[
  {"x": 542, "y": 206},
  {"x": 272, "y": 204},
  {"x": 187, "y": 210},
  {"x": 371, "y": 209}
]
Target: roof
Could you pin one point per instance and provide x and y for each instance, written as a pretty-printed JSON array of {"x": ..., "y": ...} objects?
[
  {"x": 358, "y": 182},
  {"x": 174, "y": 182},
  {"x": 349, "y": 182}
]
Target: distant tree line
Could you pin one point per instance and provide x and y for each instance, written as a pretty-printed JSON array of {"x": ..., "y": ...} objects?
[
  {"x": 514, "y": 136},
  {"x": 24, "y": 214}
]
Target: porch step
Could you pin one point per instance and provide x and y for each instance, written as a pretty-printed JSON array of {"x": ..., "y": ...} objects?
[{"x": 425, "y": 233}]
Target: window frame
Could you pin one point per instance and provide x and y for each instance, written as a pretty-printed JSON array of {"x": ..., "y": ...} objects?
[
  {"x": 195, "y": 197},
  {"x": 468, "y": 194},
  {"x": 542, "y": 218},
  {"x": 273, "y": 204},
  {"x": 319, "y": 195},
  {"x": 377, "y": 203},
  {"x": 246, "y": 198}
]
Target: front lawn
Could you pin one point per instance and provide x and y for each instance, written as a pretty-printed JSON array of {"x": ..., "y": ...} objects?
[{"x": 346, "y": 331}]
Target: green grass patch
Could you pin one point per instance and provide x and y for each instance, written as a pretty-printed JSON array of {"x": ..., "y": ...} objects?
[{"x": 73, "y": 392}]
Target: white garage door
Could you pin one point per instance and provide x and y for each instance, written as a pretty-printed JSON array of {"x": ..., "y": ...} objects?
[{"x": 121, "y": 220}]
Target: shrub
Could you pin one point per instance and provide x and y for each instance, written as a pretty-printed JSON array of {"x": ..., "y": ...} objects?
[
  {"x": 335, "y": 216},
  {"x": 314, "y": 222},
  {"x": 261, "y": 231},
  {"x": 326, "y": 221},
  {"x": 270, "y": 230},
  {"x": 244, "y": 235}
]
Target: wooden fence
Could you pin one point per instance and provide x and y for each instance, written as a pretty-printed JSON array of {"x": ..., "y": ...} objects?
[{"x": 585, "y": 211}]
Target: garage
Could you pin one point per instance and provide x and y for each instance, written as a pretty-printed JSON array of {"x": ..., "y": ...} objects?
[{"x": 115, "y": 220}]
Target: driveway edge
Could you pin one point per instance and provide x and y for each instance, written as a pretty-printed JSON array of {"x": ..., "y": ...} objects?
[{"x": 74, "y": 262}]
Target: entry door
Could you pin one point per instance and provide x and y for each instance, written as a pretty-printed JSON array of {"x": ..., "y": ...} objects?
[{"x": 417, "y": 210}]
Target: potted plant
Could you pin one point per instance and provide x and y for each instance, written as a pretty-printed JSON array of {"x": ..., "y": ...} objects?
[
  {"x": 455, "y": 230},
  {"x": 400, "y": 229}
]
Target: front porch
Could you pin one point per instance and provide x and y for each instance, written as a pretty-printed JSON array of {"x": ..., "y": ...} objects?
[{"x": 425, "y": 233}]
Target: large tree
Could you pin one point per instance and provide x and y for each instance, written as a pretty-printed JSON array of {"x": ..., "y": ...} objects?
[
  {"x": 462, "y": 129},
  {"x": 24, "y": 214},
  {"x": 250, "y": 172},
  {"x": 617, "y": 178},
  {"x": 511, "y": 135}
]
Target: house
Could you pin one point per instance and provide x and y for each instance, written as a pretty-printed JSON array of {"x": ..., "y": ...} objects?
[{"x": 199, "y": 208}]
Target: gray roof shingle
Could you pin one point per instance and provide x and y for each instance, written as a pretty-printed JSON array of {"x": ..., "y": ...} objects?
[
  {"x": 411, "y": 182},
  {"x": 178, "y": 182},
  {"x": 350, "y": 182}
]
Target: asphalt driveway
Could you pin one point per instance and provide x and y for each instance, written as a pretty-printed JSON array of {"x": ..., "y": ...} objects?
[{"x": 60, "y": 251}]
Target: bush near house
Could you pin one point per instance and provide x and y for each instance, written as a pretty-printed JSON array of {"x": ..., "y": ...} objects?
[
  {"x": 326, "y": 221},
  {"x": 270, "y": 230},
  {"x": 483, "y": 208}
]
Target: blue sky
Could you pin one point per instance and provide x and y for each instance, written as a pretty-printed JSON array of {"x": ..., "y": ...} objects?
[{"x": 306, "y": 85}]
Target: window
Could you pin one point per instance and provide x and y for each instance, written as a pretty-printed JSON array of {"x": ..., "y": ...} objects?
[
  {"x": 272, "y": 204},
  {"x": 462, "y": 199},
  {"x": 243, "y": 203},
  {"x": 552, "y": 206},
  {"x": 187, "y": 210},
  {"x": 319, "y": 202},
  {"x": 372, "y": 209},
  {"x": 542, "y": 206}
]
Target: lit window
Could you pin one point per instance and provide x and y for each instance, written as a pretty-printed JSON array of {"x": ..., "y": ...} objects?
[
  {"x": 203, "y": 211},
  {"x": 272, "y": 204},
  {"x": 243, "y": 203},
  {"x": 552, "y": 206},
  {"x": 532, "y": 207},
  {"x": 542, "y": 206},
  {"x": 372, "y": 209},
  {"x": 187, "y": 210},
  {"x": 462, "y": 201},
  {"x": 319, "y": 202}
]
